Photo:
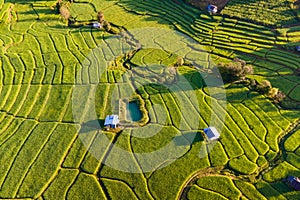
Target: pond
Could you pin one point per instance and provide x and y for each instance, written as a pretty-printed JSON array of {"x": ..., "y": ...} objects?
[{"x": 134, "y": 113}]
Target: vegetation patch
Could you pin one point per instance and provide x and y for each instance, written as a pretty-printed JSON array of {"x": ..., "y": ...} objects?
[
  {"x": 242, "y": 165},
  {"x": 272, "y": 13},
  {"x": 45, "y": 52}
]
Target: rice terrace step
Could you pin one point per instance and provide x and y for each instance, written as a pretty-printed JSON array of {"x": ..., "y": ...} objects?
[{"x": 150, "y": 99}]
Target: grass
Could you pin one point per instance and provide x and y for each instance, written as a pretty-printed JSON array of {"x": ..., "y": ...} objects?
[
  {"x": 86, "y": 187},
  {"x": 114, "y": 185},
  {"x": 242, "y": 165},
  {"x": 54, "y": 109},
  {"x": 47, "y": 163},
  {"x": 92, "y": 158},
  {"x": 197, "y": 192},
  {"x": 291, "y": 143},
  {"x": 163, "y": 136},
  {"x": 43, "y": 157},
  {"x": 293, "y": 159},
  {"x": 15, "y": 143},
  {"x": 77, "y": 152},
  {"x": 280, "y": 172},
  {"x": 178, "y": 176},
  {"x": 285, "y": 190},
  {"x": 212, "y": 183},
  {"x": 248, "y": 190},
  {"x": 268, "y": 191},
  {"x": 218, "y": 156},
  {"x": 25, "y": 158},
  {"x": 272, "y": 13},
  {"x": 64, "y": 179},
  {"x": 228, "y": 139}
]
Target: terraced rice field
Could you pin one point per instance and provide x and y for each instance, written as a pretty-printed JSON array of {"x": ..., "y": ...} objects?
[
  {"x": 270, "y": 13},
  {"x": 45, "y": 72}
]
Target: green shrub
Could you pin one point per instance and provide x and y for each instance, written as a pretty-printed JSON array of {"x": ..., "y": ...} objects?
[{"x": 234, "y": 71}]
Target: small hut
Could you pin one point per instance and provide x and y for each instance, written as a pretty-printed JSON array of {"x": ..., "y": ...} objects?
[
  {"x": 293, "y": 182},
  {"x": 96, "y": 25},
  {"x": 213, "y": 9},
  {"x": 111, "y": 121},
  {"x": 298, "y": 48},
  {"x": 211, "y": 133}
]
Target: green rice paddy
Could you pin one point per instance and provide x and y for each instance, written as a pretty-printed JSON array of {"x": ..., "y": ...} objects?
[{"x": 43, "y": 63}]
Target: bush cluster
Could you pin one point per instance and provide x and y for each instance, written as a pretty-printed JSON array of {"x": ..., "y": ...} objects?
[
  {"x": 238, "y": 70},
  {"x": 63, "y": 8},
  {"x": 105, "y": 24},
  {"x": 265, "y": 87},
  {"x": 234, "y": 71}
]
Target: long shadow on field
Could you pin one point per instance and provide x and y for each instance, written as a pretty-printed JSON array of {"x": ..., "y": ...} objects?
[
  {"x": 38, "y": 15},
  {"x": 273, "y": 189},
  {"x": 45, "y": 10},
  {"x": 92, "y": 125},
  {"x": 192, "y": 137}
]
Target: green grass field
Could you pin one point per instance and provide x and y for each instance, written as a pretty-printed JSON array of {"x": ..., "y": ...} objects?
[{"x": 44, "y": 63}]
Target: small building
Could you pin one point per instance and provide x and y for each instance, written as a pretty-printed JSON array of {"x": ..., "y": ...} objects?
[
  {"x": 212, "y": 9},
  {"x": 111, "y": 121},
  {"x": 293, "y": 182},
  {"x": 96, "y": 25},
  {"x": 298, "y": 48},
  {"x": 211, "y": 133}
]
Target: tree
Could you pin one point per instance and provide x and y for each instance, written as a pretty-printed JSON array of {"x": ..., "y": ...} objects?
[
  {"x": 100, "y": 17},
  {"x": 279, "y": 96},
  {"x": 179, "y": 62},
  {"x": 264, "y": 86},
  {"x": 273, "y": 92},
  {"x": 57, "y": 6},
  {"x": 234, "y": 71},
  {"x": 65, "y": 12},
  {"x": 105, "y": 24}
]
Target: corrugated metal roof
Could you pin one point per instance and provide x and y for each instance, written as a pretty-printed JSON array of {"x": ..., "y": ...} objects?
[
  {"x": 211, "y": 133},
  {"x": 293, "y": 182},
  {"x": 111, "y": 120}
]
